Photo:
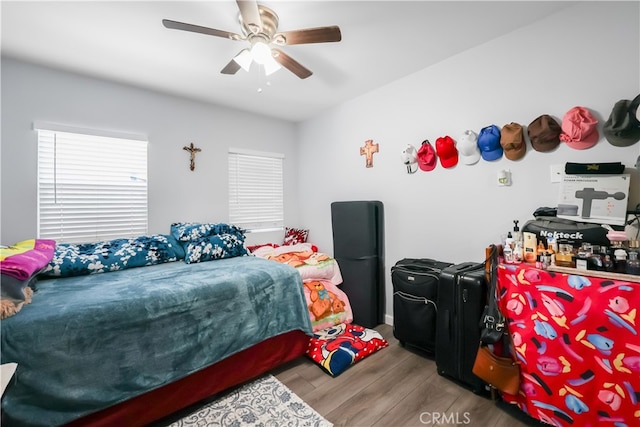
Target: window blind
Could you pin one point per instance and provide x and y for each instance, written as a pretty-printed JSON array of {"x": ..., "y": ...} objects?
[
  {"x": 256, "y": 190},
  {"x": 91, "y": 187}
]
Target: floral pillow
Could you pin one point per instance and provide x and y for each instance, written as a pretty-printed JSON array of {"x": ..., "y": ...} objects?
[
  {"x": 336, "y": 348},
  {"x": 293, "y": 236},
  {"x": 190, "y": 231},
  {"x": 73, "y": 259},
  {"x": 214, "y": 247}
]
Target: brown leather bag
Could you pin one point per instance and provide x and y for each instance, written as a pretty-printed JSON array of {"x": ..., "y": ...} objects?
[{"x": 499, "y": 372}]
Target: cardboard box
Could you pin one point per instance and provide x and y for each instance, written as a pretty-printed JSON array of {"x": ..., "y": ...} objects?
[{"x": 601, "y": 199}]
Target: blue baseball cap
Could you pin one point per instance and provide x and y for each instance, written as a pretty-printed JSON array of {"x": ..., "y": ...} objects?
[{"x": 489, "y": 143}]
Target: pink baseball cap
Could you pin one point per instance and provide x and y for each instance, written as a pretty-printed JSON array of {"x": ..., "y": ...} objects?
[
  {"x": 447, "y": 151},
  {"x": 427, "y": 158},
  {"x": 579, "y": 129}
]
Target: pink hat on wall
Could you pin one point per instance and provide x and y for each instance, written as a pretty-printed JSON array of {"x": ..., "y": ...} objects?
[
  {"x": 427, "y": 157},
  {"x": 579, "y": 129}
]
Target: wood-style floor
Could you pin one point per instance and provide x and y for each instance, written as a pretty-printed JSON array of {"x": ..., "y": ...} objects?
[{"x": 394, "y": 387}]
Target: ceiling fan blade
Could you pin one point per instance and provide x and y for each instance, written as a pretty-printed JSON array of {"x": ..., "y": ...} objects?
[
  {"x": 290, "y": 64},
  {"x": 250, "y": 14},
  {"x": 309, "y": 35},
  {"x": 175, "y": 25},
  {"x": 231, "y": 68}
]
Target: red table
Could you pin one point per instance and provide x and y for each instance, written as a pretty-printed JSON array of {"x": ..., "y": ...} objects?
[{"x": 577, "y": 339}]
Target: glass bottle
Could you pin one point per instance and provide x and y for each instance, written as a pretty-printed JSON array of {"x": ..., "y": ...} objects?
[
  {"x": 565, "y": 256},
  {"x": 633, "y": 264},
  {"x": 619, "y": 256}
]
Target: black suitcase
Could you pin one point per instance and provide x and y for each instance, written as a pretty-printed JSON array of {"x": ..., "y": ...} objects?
[
  {"x": 462, "y": 295},
  {"x": 415, "y": 299}
]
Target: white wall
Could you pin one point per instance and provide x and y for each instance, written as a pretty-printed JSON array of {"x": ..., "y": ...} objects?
[
  {"x": 585, "y": 55},
  {"x": 31, "y": 93}
]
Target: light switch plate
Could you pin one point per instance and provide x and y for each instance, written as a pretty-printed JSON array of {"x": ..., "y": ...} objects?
[{"x": 557, "y": 171}]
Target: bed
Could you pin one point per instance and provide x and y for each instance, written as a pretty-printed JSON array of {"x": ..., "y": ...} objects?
[
  {"x": 576, "y": 339},
  {"x": 127, "y": 344}
]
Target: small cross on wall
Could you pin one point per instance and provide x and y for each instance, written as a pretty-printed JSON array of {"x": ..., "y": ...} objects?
[
  {"x": 192, "y": 149},
  {"x": 368, "y": 150}
]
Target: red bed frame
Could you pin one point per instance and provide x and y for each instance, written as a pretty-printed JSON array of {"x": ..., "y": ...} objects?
[{"x": 234, "y": 370}]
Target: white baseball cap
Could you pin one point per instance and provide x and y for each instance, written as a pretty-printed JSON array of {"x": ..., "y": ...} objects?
[
  {"x": 409, "y": 157},
  {"x": 468, "y": 150}
]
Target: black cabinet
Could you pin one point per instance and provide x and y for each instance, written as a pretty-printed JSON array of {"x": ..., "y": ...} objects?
[{"x": 358, "y": 247}]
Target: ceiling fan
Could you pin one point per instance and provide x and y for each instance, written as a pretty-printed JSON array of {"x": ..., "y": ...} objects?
[{"x": 259, "y": 26}]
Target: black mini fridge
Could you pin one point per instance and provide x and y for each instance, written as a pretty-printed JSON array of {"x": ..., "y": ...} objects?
[{"x": 358, "y": 247}]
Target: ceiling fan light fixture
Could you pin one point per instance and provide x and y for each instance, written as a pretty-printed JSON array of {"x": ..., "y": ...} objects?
[
  {"x": 261, "y": 53},
  {"x": 271, "y": 67},
  {"x": 244, "y": 59}
]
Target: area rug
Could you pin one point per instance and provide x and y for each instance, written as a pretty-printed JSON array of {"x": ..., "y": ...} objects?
[{"x": 264, "y": 402}]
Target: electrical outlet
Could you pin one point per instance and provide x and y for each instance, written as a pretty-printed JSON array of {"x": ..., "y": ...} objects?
[{"x": 557, "y": 171}]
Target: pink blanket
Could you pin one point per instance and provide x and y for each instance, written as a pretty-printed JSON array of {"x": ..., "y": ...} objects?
[
  {"x": 25, "y": 258},
  {"x": 328, "y": 305}
]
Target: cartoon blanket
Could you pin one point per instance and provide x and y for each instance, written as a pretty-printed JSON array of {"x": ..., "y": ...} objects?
[
  {"x": 577, "y": 340},
  {"x": 311, "y": 265},
  {"x": 328, "y": 304}
]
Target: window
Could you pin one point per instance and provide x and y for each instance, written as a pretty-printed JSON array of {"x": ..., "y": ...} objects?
[
  {"x": 256, "y": 194},
  {"x": 90, "y": 187}
]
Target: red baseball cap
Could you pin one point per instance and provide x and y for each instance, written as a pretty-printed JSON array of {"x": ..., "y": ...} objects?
[
  {"x": 447, "y": 151},
  {"x": 427, "y": 158}
]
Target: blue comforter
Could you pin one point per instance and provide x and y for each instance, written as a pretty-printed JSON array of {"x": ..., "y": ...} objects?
[{"x": 89, "y": 342}]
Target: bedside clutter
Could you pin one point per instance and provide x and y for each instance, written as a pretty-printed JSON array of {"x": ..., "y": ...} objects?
[{"x": 552, "y": 242}]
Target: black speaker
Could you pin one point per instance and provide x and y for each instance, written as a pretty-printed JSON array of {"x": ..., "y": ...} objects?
[{"x": 358, "y": 247}]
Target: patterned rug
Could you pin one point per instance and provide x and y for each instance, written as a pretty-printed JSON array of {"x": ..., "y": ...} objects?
[{"x": 264, "y": 402}]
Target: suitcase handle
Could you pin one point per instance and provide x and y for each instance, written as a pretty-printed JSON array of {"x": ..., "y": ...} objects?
[
  {"x": 410, "y": 297},
  {"x": 416, "y": 271},
  {"x": 446, "y": 327}
]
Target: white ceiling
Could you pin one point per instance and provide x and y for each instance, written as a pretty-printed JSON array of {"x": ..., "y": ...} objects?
[{"x": 382, "y": 41}]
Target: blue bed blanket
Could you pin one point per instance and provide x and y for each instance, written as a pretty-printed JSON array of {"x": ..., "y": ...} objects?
[{"x": 86, "y": 343}]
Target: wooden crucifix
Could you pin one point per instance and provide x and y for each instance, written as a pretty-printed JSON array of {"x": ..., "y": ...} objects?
[
  {"x": 192, "y": 152},
  {"x": 368, "y": 150}
]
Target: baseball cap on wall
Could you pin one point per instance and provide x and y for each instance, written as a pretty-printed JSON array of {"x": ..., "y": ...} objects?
[
  {"x": 489, "y": 143},
  {"x": 427, "y": 158},
  {"x": 409, "y": 158},
  {"x": 468, "y": 151},
  {"x": 579, "y": 129},
  {"x": 447, "y": 152},
  {"x": 409, "y": 155},
  {"x": 622, "y": 129},
  {"x": 512, "y": 141},
  {"x": 544, "y": 133}
]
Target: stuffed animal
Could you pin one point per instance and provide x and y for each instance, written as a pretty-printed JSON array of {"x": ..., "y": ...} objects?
[{"x": 320, "y": 298}]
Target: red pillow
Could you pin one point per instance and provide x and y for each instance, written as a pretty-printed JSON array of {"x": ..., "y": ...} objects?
[{"x": 295, "y": 235}]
